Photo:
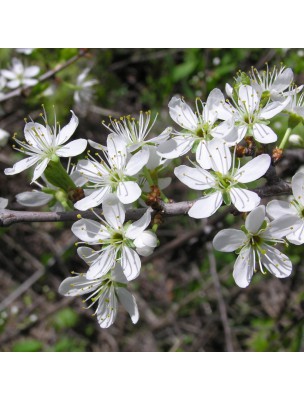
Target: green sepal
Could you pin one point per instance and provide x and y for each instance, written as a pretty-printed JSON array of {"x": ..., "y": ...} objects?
[
  {"x": 243, "y": 229},
  {"x": 263, "y": 226},
  {"x": 265, "y": 98},
  {"x": 226, "y": 198},
  {"x": 294, "y": 120},
  {"x": 195, "y": 146},
  {"x": 57, "y": 176}
]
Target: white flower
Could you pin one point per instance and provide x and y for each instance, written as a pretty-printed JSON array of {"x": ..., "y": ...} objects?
[
  {"x": 3, "y": 137},
  {"x": 296, "y": 107},
  {"x": 294, "y": 208},
  {"x": 114, "y": 176},
  {"x": 198, "y": 128},
  {"x": 107, "y": 290},
  {"x": 20, "y": 75},
  {"x": 117, "y": 240},
  {"x": 226, "y": 184},
  {"x": 84, "y": 92},
  {"x": 44, "y": 144},
  {"x": 274, "y": 83},
  {"x": 256, "y": 245},
  {"x": 3, "y": 203},
  {"x": 135, "y": 132},
  {"x": 249, "y": 115}
]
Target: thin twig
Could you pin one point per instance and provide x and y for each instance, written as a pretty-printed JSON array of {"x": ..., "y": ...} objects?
[
  {"x": 220, "y": 298},
  {"x": 9, "y": 217},
  {"x": 47, "y": 75}
]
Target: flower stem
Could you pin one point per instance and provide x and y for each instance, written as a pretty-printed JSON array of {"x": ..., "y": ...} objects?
[
  {"x": 285, "y": 138},
  {"x": 148, "y": 176}
]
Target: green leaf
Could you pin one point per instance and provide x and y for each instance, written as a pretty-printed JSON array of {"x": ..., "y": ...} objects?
[
  {"x": 27, "y": 345},
  {"x": 65, "y": 318},
  {"x": 184, "y": 70}
]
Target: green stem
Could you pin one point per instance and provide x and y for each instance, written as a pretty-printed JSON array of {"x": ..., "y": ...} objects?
[
  {"x": 148, "y": 176},
  {"x": 164, "y": 197},
  {"x": 285, "y": 138},
  {"x": 155, "y": 227}
]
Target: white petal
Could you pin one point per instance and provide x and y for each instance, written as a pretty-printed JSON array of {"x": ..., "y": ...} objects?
[
  {"x": 129, "y": 303},
  {"x": 244, "y": 200},
  {"x": 206, "y": 206},
  {"x": 182, "y": 114},
  {"x": 276, "y": 262},
  {"x": 3, "y": 203},
  {"x": 137, "y": 162},
  {"x": 114, "y": 212},
  {"x": 130, "y": 263},
  {"x": 13, "y": 84},
  {"x": 202, "y": 155},
  {"x": 117, "y": 151},
  {"x": 78, "y": 178},
  {"x": 102, "y": 264},
  {"x": 255, "y": 219},
  {"x": 77, "y": 286},
  {"x": 87, "y": 254},
  {"x": 248, "y": 98},
  {"x": 37, "y": 135},
  {"x": 297, "y": 185},
  {"x": 241, "y": 131},
  {"x": 214, "y": 100},
  {"x": 73, "y": 148},
  {"x": 39, "y": 169},
  {"x": 263, "y": 133},
  {"x": 117, "y": 274},
  {"x": 29, "y": 72},
  {"x": 107, "y": 308},
  {"x": 147, "y": 238},
  {"x": 93, "y": 200},
  {"x": 90, "y": 231},
  {"x": 162, "y": 137},
  {"x": 29, "y": 82},
  {"x": 244, "y": 267},
  {"x": 67, "y": 131},
  {"x": 274, "y": 108},
  {"x": 176, "y": 147},
  {"x": 226, "y": 130},
  {"x": 33, "y": 199},
  {"x": 283, "y": 80},
  {"x": 228, "y": 90},
  {"x": 220, "y": 156},
  {"x": 8, "y": 74},
  {"x": 297, "y": 237},
  {"x": 21, "y": 165},
  {"x": 229, "y": 240},
  {"x": 128, "y": 192},
  {"x": 95, "y": 172},
  {"x": 137, "y": 228},
  {"x": 277, "y": 208},
  {"x": 194, "y": 178},
  {"x": 254, "y": 169},
  {"x": 96, "y": 145},
  {"x": 281, "y": 227}
]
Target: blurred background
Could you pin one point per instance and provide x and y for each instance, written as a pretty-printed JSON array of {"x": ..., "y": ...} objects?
[{"x": 187, "y": 298}]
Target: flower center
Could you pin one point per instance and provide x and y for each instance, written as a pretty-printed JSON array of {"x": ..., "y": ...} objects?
[{"x": 202, "y": 130}]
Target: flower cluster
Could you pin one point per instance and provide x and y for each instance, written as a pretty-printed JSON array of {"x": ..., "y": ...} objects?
[{"x": 227, "y": 137}]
